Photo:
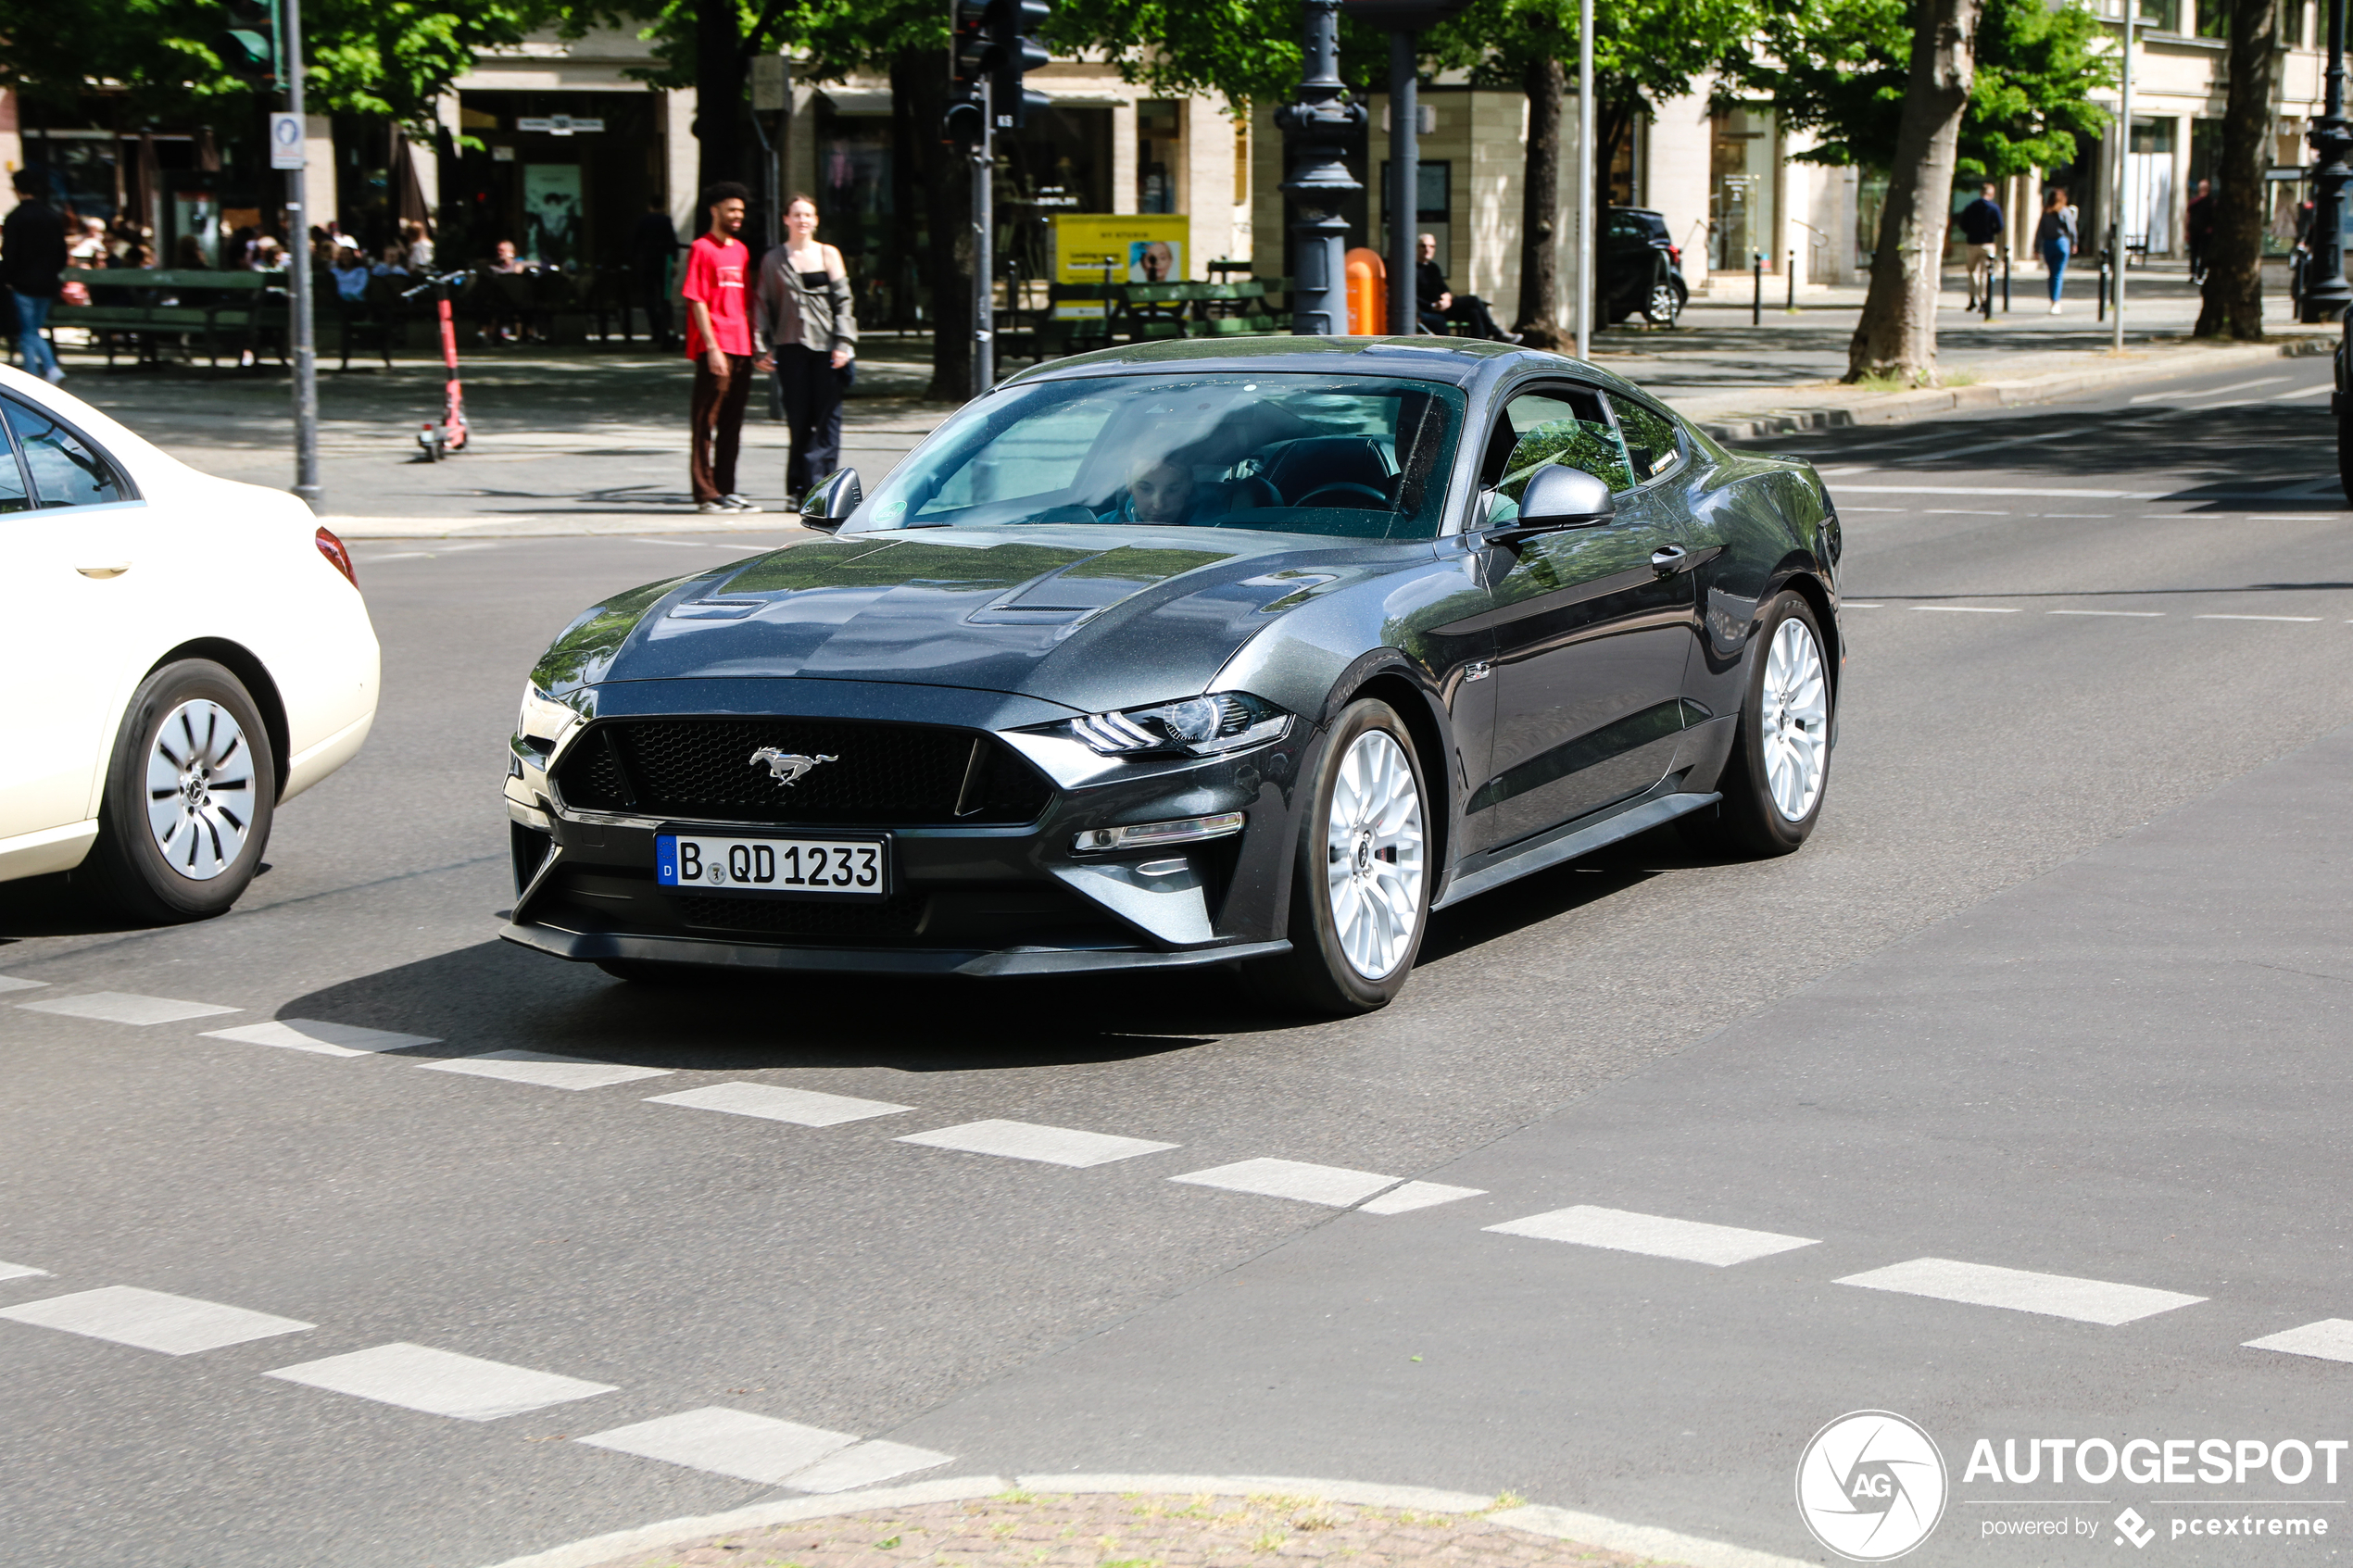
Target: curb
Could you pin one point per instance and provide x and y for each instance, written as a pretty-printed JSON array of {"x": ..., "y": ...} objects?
[
  {"x": 1903, "y": 407},
  {"x": 1559, "y": 1524}
]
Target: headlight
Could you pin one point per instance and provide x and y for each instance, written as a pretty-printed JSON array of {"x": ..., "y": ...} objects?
[
  {"x": 544, "y": 719},
  {"x": 1202, "y": 725}
]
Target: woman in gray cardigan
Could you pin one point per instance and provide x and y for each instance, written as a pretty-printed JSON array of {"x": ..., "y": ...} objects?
[{"x": 804, "y": 318}]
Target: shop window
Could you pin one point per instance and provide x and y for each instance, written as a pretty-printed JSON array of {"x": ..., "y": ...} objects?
[
  {"x": 1740, "y": 170},
  {"x": 1159, "y": 155},
  {"x": 2160, "y": 15}
]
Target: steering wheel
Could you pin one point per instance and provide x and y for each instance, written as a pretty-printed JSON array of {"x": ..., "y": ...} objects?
[{"x": 1345, "y": 492}]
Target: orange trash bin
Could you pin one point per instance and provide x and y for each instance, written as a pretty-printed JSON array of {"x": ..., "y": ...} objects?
[{"x": 1367, "y": 293}]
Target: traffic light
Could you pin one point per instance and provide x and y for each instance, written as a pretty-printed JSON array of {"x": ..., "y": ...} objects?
[
  {"x": 1013, "y": 28},
  {"x": 248, "y": 46}
]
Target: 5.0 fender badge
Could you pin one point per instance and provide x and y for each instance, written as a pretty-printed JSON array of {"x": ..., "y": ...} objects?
[{"x": 786, "y": 766}]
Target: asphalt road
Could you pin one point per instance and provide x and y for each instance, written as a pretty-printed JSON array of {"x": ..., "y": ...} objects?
[{"x": 2058, "y": 986}]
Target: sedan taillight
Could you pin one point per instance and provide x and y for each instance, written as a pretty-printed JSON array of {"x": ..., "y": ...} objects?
[{"x": 337, "y": 555}]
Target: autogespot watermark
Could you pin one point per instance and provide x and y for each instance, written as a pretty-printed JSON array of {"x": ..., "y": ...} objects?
[{"x": 1871, "y": 1486}]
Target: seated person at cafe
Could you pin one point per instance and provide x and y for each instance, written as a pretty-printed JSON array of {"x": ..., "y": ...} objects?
[{"x": 1439, "y": 306}]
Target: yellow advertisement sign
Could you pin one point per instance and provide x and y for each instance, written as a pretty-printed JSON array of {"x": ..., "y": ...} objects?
[{"x": 1093, "y": 247}]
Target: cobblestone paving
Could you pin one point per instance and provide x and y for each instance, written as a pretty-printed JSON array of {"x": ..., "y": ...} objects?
[{"x": 1133, "y": 1530}]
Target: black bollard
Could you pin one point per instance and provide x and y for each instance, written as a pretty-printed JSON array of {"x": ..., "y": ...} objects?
[{"x": 1757, "y": 295}]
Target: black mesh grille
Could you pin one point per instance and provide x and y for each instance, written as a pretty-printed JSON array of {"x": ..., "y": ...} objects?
[
  {"x": 898, "y": 915},
  {"x": 881, "y": 775}
]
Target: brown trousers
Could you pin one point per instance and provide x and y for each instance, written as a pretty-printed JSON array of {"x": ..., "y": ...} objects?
[{"x": 718, "y": 418}]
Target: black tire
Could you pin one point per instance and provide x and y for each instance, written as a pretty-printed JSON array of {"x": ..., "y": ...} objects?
[
  {"x": 1748, "y": 822},
  {"x": 1316, "y": 973},
  {"x": 128, "y": 864}
]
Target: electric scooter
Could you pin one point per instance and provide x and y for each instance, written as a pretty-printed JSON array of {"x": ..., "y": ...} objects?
[{"x": 449, "y": 436}]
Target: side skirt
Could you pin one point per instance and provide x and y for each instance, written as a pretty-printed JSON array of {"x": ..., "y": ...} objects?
[{"x": 1573, "y": 839}]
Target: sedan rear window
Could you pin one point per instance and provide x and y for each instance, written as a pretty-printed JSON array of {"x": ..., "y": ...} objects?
[{"x": 1349, "y": 455}]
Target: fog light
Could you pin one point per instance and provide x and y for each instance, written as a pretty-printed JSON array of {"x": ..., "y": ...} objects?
[{"x": 1150, "y": 835}]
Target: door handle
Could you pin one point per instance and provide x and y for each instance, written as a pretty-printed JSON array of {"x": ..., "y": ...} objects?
[
  {"x": 1668, "y": 560},
  {"x": 105, "y": 569}
]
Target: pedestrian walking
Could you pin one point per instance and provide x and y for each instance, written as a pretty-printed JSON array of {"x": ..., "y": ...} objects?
[
  {"x": 1981, "y": 232},
  {"x": 2055, "y": 240},
  {"x": 719, "y": 341},
  {"x": 811, "y": 336},
  {"x": 2197, "y": 228},
  {"x": 32, "y": 258}
]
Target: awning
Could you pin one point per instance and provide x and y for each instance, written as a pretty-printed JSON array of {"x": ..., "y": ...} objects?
[{"x": 859, "y": 101}]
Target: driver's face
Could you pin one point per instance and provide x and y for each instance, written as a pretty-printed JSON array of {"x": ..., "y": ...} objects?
[{"x": 1162, "y": 493}]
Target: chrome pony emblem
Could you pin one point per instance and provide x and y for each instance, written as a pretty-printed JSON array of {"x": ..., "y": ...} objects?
[{"x": 786, "y": 766}]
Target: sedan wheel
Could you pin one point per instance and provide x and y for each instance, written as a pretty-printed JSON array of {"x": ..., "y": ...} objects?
[
  {"x": 1360, "y": 901},
  {"x": 189, "y": 796},
  {"x": 1772, "y": 784},
  {"x": 1794, "y": 721}
]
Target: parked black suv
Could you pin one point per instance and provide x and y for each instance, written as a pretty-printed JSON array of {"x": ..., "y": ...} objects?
[{"x": 1642, "y": 268}]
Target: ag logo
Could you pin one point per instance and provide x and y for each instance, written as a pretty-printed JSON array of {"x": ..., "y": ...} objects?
[{"x": 1870, "y": 1485}]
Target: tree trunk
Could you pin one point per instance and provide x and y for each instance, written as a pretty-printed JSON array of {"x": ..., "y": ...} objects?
[
  {"x": 1540, "y": 208},
  {"x": 1612, "y": 120},
  {"x": 919, "y": 91},
  {"x": 1897, "y": 334},
  {"x": 720, "y": 72},
  {"x": 2233, "y": 294}
]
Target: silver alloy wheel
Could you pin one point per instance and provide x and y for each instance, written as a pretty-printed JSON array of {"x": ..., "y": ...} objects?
[
  {"x": 1663, "y": 307},
  {"x": 1373, "y": 846},
  {"x": 200, "y": 794},
  {"x": 1797, "y": 702}
]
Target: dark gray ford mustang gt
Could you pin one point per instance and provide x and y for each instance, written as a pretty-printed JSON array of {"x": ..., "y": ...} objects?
[{"x": 1247, "y": 652}]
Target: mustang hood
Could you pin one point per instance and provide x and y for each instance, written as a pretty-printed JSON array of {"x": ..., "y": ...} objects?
[{"x": 1076, "y": 615}]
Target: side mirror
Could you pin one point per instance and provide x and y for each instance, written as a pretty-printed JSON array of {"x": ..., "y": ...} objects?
[
  {"x": 831, "y": 501},
  {"x": 1557, "y": 497}
]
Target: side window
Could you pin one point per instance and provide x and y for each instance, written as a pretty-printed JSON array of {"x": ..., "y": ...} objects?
[
  {"x": 1653, "y": 444},
  {"x": 65, "y": 471},
  {"x": 1565, "y": 424},
  {"x": 13, "y": 497}
]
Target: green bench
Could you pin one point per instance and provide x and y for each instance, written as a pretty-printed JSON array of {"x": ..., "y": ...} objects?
[
  {"x": 155, "y": 308},
  {"x": 1144, "y": 312}
]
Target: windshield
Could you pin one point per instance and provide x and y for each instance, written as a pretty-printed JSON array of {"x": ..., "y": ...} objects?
[{"x": 1351, "y": 456}]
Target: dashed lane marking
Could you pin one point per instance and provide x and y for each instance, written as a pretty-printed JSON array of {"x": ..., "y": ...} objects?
[
  {"x": 803, "y": 1108},
  {"x": 2057, "y": 1295},
  {"x": 2330, "y": 1339},
  {"x": 2210, "y": 391},
  {"x": 2128, "y": 614},
  {"x": 125, "y": 1006},
  {"x": 21, "y": 1271},
  {"x": 863, "y": 1465},
  {"x": 320, "y": 1039},
  {"x": 2301, "y": 390},
  {"x": 1416, "y": 1195},
  {"x": 1328, "y": 1185},
  {"x": 547, "y": 1072},
  {"x": 1025, "y": 1140},
  {"x": 1652, "y": 1234},
  {"x": 10, "y": 983},
  {"x": 1958, "y": 511},
  {"x": 725, "y": 1442},
  {"x": 2302, "y": 618},
  {"x": 1968, "y": 609},
  {"x": 417, "y": 1377},
  {"x": 151, "y": 1320}
]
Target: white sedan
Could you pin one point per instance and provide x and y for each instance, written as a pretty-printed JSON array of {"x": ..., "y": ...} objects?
[{"x": 186, "y": 654}]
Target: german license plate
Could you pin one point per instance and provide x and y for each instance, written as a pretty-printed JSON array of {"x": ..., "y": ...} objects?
[{"x": 829, "y": 867}]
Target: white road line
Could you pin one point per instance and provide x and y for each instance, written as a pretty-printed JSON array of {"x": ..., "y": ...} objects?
[
  {"x": 1025, "y": 1140},
  {"x": 803, "y": 1108},
  {"x": 1329, "y": 1185},
  {"x": 427, "y": 555},
  {"x": 2330, "y": 1339},
  {"x": 124, "y": 1007},
  {"x": 1845, "y": 471},
  {"x": 863, "y": 1465},
  {"x": 2300, "y": 618},
  {"x": 2295, "y": 517},
  {"x": 2077, "y": 515},
  {"x": 21, "y": 1271},
  {"x": 2134, "y": 614},
  {"x": 2301, "y": 390},
  {"x": 2210, "y": 391},
  {"x": 1416, "y": 1195},
  {"x": 1968, "y": 609},
  {"x": 1959, "y": 511},
  {"x": 2002, "y": 490},
  {"x": 1894, "y": 511},
  {"x": 320, "y": 1039},
  {"x": 725, "y": 1442},
  {"x": 1851, "y": 604},
  {"x": 547, "y": 1072},
  {"x": 2057, "y": 1295},
  {"x": 1652, "y": 1234},
  {"x": 2004, "y": 443},
  {"x": 177, "y": 1326},
  {"x": 439, "y": 1382},
  {"x": 10, "y": 983}
]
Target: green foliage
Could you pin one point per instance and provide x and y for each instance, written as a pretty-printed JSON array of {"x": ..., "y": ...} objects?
[
  {"x": 1645, "y": 50},
  {"x": 1580, "y": 443},
  {"x": 1839, "y": 68},
  {"x": 834, "y": 36}
]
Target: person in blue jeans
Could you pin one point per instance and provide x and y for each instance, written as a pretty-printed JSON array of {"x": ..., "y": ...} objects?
[
  {"x": 2055, "y": 240},
  {"x": 33, "y": 257}
]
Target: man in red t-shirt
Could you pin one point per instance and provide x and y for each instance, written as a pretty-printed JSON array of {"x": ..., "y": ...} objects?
[{"x": 719, "y": 341}]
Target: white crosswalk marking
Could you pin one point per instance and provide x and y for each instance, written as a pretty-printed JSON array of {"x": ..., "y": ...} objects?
[
  {"x": 320, "y": 1039},
  {"x": 1329, "y": 1185},
  {"x": 547, "y": 1072},
  {"x": 21, "y": 1271},
  {"x": 2057, "y": 1295},
  {"x": 125, "y": 1006},
  {"x": 2330, "y": 1339},
  {"x": 863, "y": 1466},
  {"x": 725, "y": 1442},
  {"x": 10, "y": 983},
  {"x": 803, "y": 1108},
  {"x": 177, "y": 1326},
  {"x": 439, "y": 1382},
  {"x": 1025, "y": 1140},
  {"x": 1621, "y": 1231},
  {"x": 1416, "y": 1195}
]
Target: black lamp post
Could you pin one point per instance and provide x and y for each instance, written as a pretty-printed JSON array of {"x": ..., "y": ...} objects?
[
  {"x": 1318, "y": 131},
  {"x": 2325, "y": 291}
]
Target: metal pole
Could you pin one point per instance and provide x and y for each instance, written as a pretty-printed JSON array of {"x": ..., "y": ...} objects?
[
  {"x": 2326, "y": 292},
  {"x": 1586, "y": 292},
  {"x": 2123, "y": 180},
  {"x": 2006, "y": 277},
  {"x": 1404, "y": 180},
  {"x": 1318, "y": 131},
  {"x": 306, "y": 356},
  {"x": 984, "y": 232},
  {"x": 1791, "y": 279},
  {"x": 1757, "y": 295}
]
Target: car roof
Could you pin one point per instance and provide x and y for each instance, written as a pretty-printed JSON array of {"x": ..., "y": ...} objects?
[{"x": 1456, "y": 361}]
